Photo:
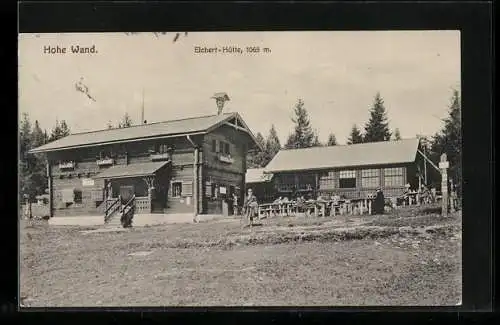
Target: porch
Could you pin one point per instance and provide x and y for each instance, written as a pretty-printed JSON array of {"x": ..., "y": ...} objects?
[{"x": 143, "y": 185}]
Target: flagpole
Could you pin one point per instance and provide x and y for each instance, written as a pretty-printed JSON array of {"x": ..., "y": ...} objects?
[{"x": 142, "y": 110}]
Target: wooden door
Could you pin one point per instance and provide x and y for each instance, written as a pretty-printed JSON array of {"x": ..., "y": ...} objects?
[{"x": 126, "y": 192}]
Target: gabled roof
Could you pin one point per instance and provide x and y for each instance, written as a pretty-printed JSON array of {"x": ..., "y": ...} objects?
[
  {"x": 365, "y": 154},
  {"x": 134, "y": 170},
  {"x": 256, "y": 175},
  {"x": 173, "y": 128}
]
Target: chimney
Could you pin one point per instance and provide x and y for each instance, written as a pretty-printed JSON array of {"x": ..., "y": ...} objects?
[{"x": 220, "y": 100}]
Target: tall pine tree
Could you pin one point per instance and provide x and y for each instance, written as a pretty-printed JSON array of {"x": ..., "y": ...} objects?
[
  {"x": 449, "y": 140},
  {"x": 37, "y": 135},
  {"x": 60, "y": 130},
  {"x": 65, "y": 131},
  {"x": 273, "y": 145},
  {"x": 125, "y": 122},
  {"x": 25, "y": 135},
  {"x": 332, "y": 140},
  {"x": 38, "y": 161},
  {"x": 45, "y": 136},
  {"x": 303, "y": 135},
  {"x": 257, "y": 158},
  {"x": 32, "y": 174},
  {"x": 377, "y": 128},
  {"x": 356, "y": 136},
  {"x": 316, "y": 142}
]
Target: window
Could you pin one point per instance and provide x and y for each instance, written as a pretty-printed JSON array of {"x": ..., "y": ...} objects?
[
  {"x": 370, "y": 178},
  {"x": 327, "y": 180},
  {"x": 224, "y": 148},
  {"x": 161, "y": 148},
  {"x": 106, "y": 153},
  {"x": 347, "y": 179},
  {"x": 77, "y": 196},
  {"x": 215, "y": 190},
  {"x": 177, "y": 189},
  {"x": 286, "y": 183},
  {"x": 306, "y": 182},
  {"x": 393, "y": 177},
  {"x": 214, "y": 145}
]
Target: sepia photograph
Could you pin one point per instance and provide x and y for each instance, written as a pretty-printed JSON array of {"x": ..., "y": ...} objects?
[{"x": 290, "y": 168}]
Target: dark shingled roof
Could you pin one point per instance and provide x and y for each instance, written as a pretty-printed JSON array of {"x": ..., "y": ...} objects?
[
  {"x": 194, "y": 125},
  {"x": 364, "y": 154},
  {"x": 134, "y": 170}
]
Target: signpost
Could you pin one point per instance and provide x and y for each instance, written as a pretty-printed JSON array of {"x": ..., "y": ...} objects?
[{"x": 443, "y": 166}]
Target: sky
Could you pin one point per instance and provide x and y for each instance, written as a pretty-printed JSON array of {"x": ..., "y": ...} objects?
[{"x": 335, "y": 73}]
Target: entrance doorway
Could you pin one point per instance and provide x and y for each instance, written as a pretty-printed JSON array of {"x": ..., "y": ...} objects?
[{"x": 126, "y": 193}]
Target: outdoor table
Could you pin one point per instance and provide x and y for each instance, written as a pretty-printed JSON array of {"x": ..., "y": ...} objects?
[
  {"x": 286, "y": 208},
  {"x": 311, "y": 205},
  {"x": 334, "y": 205},
  {"x": 281, "y": 209},
  {"x": 347, "y": 207},
  {"x": 264, "y": 208},
  {"x": 411, "y": 197},
  {"x": 361, "y": 204},
  {"x": 318, "y": 207},
  {"x": 322, "y": 205},
  {"x": 293, "y": 207}
]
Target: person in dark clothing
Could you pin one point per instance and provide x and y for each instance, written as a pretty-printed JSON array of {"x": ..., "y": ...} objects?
[
  {"x": 250, "y": 206},
  {"x": 378, "y": 203}
]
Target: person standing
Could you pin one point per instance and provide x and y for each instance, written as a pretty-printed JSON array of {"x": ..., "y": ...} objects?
[
  {"x": 379, "y": 202},
  {"x": 250, "y": 205},
  {"x": 235, "y": 204}
]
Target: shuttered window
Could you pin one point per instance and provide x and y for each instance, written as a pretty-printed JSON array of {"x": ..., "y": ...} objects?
[
  {"x": 187, "y": 188},
  {"x": 67, "y": 195},
  {"x": 97, "y": 195}
]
